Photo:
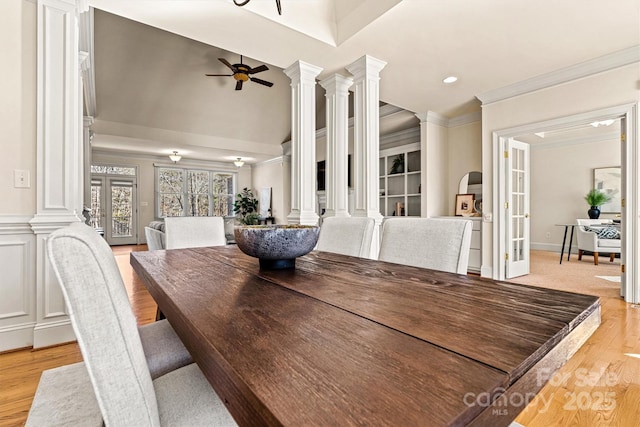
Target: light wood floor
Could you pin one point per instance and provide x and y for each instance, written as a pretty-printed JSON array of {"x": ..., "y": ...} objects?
[{"x": 599, "y": 385}]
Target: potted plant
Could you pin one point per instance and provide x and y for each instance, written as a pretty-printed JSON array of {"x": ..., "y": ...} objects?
[
  {"x": 398, "y": 164},
  {"x": 246, "y": 207},
  {"x": 596, "y": 198}
]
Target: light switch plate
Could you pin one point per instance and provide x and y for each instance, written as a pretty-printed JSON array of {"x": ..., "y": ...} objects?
[{"x": 21, "y": 178}]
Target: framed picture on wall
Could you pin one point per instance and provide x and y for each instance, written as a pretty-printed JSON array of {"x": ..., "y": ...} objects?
[
  {"x": 464, "y": 204},
  {"x": 609, "y": 181}
]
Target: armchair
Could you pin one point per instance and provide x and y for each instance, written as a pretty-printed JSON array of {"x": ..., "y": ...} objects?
[{"x": 589, "y": 241}]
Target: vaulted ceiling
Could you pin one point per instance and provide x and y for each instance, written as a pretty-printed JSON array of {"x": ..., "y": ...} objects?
[{"x": 150, "y": 73}]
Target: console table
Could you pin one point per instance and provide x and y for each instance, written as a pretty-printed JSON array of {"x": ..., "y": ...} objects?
[{"x": 564, "y": 239}]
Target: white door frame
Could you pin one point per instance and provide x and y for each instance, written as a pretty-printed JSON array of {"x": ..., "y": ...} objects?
[{"x": 630, "y": 162}]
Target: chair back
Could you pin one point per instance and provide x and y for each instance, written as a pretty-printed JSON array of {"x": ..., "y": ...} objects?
[
  {"x": 155, "y": 239},
  {"x": 438, "y": 244},
  {"x": 346, "y": 236},
  {"x": 104, "y": 324},
  {"x": 194, "y": 231}
]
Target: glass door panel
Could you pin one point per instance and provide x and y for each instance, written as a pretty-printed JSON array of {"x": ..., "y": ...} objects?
[
  {"x": 121, "y": 204},
  {"x": 518, "y": 208}
]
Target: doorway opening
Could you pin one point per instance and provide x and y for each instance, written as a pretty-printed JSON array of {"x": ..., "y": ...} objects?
[
  {"x": 114, "y": 206},
  {"x": 556, "y": 210}
]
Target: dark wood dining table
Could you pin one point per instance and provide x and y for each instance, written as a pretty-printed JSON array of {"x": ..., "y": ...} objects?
[{"x": 349, "y": 341}]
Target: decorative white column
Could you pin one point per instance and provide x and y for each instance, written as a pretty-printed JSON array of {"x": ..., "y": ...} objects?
[
  {"x": 59, "y": 155},
  {"x": 337, "y": 182},
  {"x": 303, "y": 143},
  {"x": 366, "y": 142},
  {"x": 87, "y": 136},
  {"x": 432, "y": 157}
]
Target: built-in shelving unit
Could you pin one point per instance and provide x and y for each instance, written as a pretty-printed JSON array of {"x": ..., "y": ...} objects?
[{"x": 400, "y": 190}]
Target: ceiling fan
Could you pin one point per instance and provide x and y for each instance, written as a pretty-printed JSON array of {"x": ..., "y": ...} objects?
[
  {"x": 243, "y": 2},
  {"x": 241, "y": 73}
]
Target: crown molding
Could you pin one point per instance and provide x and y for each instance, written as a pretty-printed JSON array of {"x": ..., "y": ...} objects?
[
  {"x": 465, "y": 119},
  {"x": 603, "y": 63},
  {"x": 385, "y": 111},
  {"x": 129, "y": 159},
  {"x": 407, "y": 136},
  {"x": 275, "y": 161}
]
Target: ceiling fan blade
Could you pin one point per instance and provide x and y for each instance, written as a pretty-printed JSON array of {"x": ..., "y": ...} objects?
[
  {"x": 219, "y": 75},
  {"x": 239, "y": 85},
  {"x": 258, "y": 69},
  {"x": 225, "y": 62},
  {"x": 260, "y": 81}
]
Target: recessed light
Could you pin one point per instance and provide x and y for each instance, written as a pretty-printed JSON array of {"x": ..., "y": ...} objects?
[{"x": 450, "y": 79}]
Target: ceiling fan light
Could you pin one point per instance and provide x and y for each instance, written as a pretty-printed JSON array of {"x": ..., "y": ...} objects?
[
  {"x": 239, "y": 163},
  {"x": 175, "y": 157}
]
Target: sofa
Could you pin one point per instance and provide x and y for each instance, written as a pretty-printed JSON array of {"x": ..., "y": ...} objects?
[{"x": 155, "y": 233}]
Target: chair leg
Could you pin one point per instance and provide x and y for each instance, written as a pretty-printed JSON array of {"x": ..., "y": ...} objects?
[
  {"x": 579, "y": 254},
  {"x": 595, "y": 258},
  {"x": 611, "y": 256}
]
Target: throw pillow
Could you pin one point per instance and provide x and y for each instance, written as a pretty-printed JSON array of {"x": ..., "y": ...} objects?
[{"x": 604, "y": 232}]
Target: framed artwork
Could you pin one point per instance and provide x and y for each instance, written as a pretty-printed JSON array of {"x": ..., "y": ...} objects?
[
  {"x": 464, "y": 204},
  {"x": 265, "y": 202},
  {"x": 609, "y": 181}
]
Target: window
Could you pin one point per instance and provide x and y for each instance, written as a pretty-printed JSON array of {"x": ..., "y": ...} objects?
[
  {"x": 113, "y": 170},
  {"x": 194, "y": 192}
]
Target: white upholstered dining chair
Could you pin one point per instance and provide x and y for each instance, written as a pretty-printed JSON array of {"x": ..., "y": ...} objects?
[
  {"x": 438, "y": 244},
  {"x": 111, "y": 345},
  {"x": 194, "y": 231},
  {"x": 590, "y": 242},
  {"x": 346, "y": 236},
  {"x": 155, "y": 239}
]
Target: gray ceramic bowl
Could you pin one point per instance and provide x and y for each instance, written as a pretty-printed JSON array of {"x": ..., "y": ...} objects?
[{"x": 276, "y": 246}]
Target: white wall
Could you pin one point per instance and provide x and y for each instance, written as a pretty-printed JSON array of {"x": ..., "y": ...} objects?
[
  {"x": 18, "y": 103},
  {"x": 606, "y": 89},
  {"x": 560, "y": 178},
  {"x": 271, "y": 174},
  {"x": 18, "y": 310},
  {"x": 465, "y": 155}
]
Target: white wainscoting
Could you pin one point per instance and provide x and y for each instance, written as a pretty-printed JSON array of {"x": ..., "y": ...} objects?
[{"x": 17, "y": 282}]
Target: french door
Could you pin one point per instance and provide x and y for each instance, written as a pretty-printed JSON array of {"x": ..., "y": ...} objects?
[
  {"x": 114, "y": 208},
  {"x": 517, "y": 208}
]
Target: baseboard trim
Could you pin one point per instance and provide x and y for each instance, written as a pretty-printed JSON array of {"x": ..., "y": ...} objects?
[
  {"x": 16, "y": 336},
  {"x": 53, "y": 333},
  {"x": 486, "y": 272},
  {"x": 552, "y": 247}
]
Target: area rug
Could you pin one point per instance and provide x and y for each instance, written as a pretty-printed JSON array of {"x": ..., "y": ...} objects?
[{"x": 610, "y": 278}]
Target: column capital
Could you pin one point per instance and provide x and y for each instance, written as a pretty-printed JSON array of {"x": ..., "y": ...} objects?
[
  {"x": 336, "y": 83},
  {"x": 301, "y": 71},
  {"x": 432, "y": 117},
  {"x": 366, "y": 67}
]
